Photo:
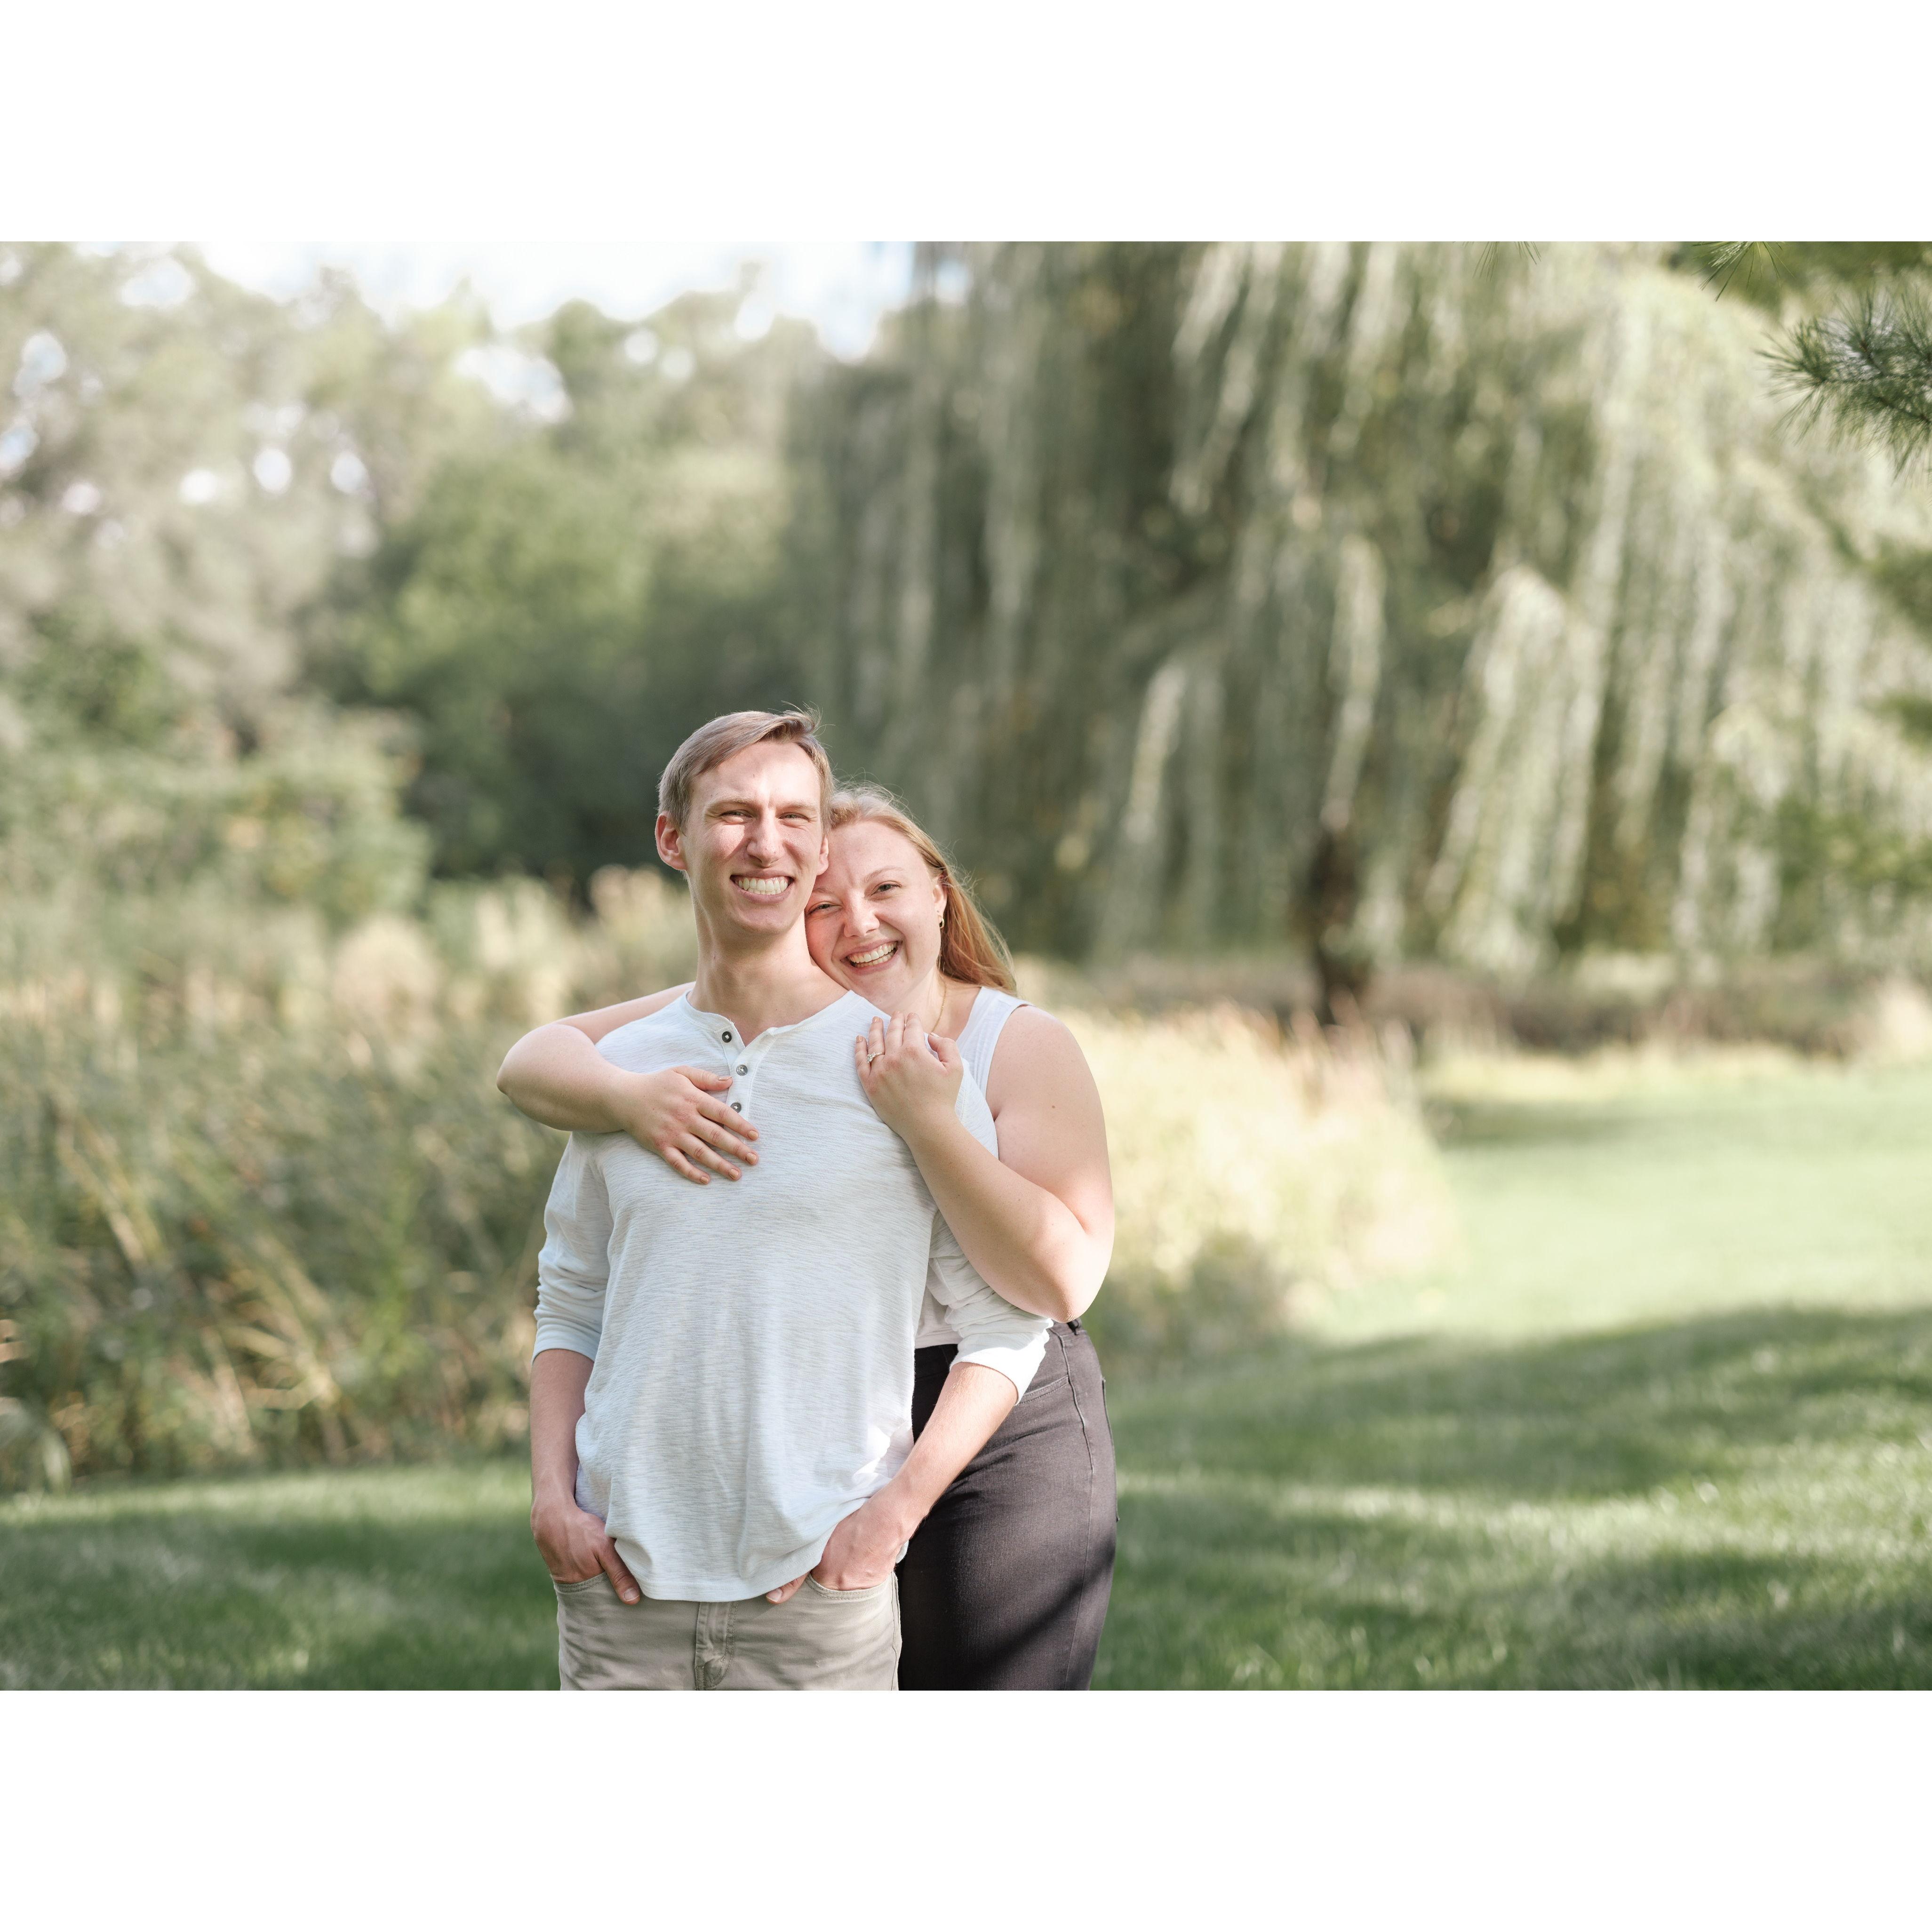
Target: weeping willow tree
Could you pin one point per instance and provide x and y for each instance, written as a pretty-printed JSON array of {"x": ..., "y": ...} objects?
[{"x": 1396, "y": 602}]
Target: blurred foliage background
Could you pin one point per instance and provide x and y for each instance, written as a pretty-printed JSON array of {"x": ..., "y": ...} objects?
[{"x": 1443, "y": 645}]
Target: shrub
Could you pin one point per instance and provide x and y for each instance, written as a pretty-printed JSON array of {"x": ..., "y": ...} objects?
[
  {"x": 1253, "y": 1174},
  {"x": 260, "y": 1202}
]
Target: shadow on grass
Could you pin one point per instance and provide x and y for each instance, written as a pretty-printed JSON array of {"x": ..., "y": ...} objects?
[
  {"x": 1739, "y": 1500},
  {"x": 1499, "y": 1124},
  {"x": 1226, "y": 1592},
  {"x": 1589, "y": 1416}
]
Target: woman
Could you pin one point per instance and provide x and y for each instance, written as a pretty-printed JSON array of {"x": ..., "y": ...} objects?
[{"x": 1005, "y": 1584}]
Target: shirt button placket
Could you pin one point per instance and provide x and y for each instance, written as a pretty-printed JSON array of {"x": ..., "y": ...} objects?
[{"x": 740, "y": 1070}]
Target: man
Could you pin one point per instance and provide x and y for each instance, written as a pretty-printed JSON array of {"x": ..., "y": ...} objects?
[{"x": 720, "y": 1402}]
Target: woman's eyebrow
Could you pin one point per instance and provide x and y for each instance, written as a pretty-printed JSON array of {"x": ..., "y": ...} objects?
[{"x": 888, "y": 874}]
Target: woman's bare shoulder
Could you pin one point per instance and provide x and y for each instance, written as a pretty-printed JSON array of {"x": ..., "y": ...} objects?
[
  {"x": 1030, "y": 1025},
  {"x": 1037, "y": 1057}
]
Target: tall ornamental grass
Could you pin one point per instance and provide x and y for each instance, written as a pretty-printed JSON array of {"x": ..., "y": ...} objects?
[
  {"x": 1255, "y": 1172},
  {"x": 261, "y": 1204},
  {"x": 259, "y": 1201}
]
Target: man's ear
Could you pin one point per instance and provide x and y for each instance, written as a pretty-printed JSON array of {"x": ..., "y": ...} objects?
[
  {"x": 670, "y": 842},
  {"x": 824, "y": 857}
]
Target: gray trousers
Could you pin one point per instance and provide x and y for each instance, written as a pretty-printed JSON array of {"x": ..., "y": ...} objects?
[{"x": 817, "y": 1639}]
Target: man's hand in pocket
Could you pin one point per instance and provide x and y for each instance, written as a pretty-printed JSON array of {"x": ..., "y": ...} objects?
[{"x": 573, "y": 1546}]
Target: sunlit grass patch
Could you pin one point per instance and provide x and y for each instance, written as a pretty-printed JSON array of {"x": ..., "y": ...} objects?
[
  {"x": 1585, "y": 1210},
  {"x": 1606, "y": 1073}
]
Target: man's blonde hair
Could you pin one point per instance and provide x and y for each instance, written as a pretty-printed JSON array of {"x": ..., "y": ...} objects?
[{"x": 724, "y": 738}]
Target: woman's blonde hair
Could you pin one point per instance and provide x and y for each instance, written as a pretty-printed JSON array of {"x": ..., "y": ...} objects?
[{"x": 971, "y": 948}]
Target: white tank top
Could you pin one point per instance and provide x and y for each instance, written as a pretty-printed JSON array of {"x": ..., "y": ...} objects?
[{"x": 978, "y": 1038}]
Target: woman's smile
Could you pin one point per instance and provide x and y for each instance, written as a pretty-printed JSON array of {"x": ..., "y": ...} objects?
[{"x": 874, "y": 919}]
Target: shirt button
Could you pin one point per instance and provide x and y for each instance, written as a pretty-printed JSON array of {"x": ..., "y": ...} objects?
[
  {"x": 743, "y": 1069},
  {"x": 726, "y": 1034},
  {"x": 737, "y": 1107}
]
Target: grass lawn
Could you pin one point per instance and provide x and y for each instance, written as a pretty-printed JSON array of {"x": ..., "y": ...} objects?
[
  {"x": 1667, "y": 1420},
  {"x": 364, "y": 1579}
]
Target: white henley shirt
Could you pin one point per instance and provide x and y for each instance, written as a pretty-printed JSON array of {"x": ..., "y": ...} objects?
[{"x": 752, "y": 1341}]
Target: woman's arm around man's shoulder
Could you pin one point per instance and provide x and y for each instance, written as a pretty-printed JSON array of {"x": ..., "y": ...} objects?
[{"x": 556, "y": 1075}]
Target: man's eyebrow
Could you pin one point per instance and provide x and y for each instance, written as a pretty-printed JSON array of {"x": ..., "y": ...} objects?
[{"x": 810, "y": 805}]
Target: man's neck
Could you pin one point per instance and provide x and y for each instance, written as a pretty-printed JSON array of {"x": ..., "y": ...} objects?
[{"x": 774, "y": 985}]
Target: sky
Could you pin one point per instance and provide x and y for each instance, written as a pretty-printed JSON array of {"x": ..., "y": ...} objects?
[{"x": 842, "y": 286}]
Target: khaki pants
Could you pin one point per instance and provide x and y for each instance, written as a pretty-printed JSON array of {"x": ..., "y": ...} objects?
[{"x": 817, "y": 1639}]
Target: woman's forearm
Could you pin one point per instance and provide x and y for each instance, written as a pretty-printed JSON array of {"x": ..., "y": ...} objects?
[
  {"x": 973, "y": 1403},
  {"x": 1026, "y": 1243},
  {"x": 556, "y": 1075}
]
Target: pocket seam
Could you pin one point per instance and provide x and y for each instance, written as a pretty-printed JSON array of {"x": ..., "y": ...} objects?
[
  {"x": 847, "y": 1596},
  {"x": 1041, "y": 1384}
]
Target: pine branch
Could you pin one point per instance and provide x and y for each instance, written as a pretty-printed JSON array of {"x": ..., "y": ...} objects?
[
  {"x": 1745, "y": 263},
  {"x": 1868, "y": 371},
  {"x": 1761, "y": 270}
]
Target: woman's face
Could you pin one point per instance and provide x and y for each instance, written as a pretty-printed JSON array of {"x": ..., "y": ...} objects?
[{"x": 872, "y": 920}]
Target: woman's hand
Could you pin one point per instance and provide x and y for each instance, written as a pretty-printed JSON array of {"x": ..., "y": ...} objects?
[
  {"x": 676, "y": 1115},
  {"x": 911, "y": 1076},
  {"x": 862, "y": 1551}
]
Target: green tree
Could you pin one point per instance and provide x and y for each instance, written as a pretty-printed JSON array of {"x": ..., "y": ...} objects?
[
  {"x": 1376, "y": 599},
  {"x": 556, "y": 613},
  {"x": 182, "y": 463}
]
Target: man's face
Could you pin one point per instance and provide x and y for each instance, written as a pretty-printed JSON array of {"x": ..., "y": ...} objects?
[{"x": 754, "y": 841}]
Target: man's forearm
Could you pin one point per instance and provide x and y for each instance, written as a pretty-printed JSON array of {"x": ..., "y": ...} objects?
[
  {"x": 556, "y": 1075},
  {"x": 573, "y": 1544},
  {"x": 972, "y": 1404},
  {"x": 558, "y": 1379}
]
